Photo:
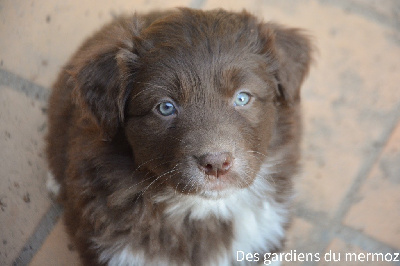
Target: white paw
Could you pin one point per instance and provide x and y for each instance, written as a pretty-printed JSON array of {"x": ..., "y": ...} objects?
[{"x": 52, "y": 185}]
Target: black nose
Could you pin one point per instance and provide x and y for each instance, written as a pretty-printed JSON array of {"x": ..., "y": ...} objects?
[{"x": 216, "y": 164}]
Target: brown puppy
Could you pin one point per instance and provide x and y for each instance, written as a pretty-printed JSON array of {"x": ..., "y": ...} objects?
[{"x": 174, "y": 137}]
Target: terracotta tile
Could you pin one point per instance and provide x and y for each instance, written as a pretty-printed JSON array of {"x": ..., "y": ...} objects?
[
  {"x": 23, "y": 197},
  {"x": 42, "y": 35},
  {"x": 56, "y": 250},
  {"x": 377, "y": 213}
]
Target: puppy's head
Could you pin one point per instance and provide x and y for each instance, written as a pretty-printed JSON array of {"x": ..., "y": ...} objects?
[{"x": 199, "y": 95}]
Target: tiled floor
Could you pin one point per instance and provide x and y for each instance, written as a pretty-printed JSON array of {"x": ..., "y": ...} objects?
[{"x": 349, "y": 191}]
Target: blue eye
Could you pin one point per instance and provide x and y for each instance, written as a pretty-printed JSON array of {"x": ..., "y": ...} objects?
[
  {"x": 242, "y": 98},
  {"x": 166, "y": 108}
]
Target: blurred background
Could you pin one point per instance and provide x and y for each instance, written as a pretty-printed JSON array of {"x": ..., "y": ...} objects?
[{"x": 348, "y": 193}]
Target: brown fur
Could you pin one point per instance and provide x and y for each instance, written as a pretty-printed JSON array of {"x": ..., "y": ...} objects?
[{"x": 113, "y": 154}]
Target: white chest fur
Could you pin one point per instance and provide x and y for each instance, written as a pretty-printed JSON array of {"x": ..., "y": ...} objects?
[
  {"x": 258, "y": 223},
  {"x": 256, "y": 230}
]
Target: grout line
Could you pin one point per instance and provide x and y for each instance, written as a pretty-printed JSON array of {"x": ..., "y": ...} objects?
[
  {"x": 365, "y": 242},
  {"x": 322, "y": 234},
  {"x": 46, "y": 224},
  {"x": 23, "y": 85},
  {"x": 40, "y": 234},
  {"x": 346, "y": 233},
  {"x": 362, "y": 175},
  {"x": 366, "y": 167}
]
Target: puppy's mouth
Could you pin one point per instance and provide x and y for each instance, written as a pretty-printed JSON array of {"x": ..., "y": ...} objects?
[
  {"x": 215, "y": 175},
  {"x": 194, "y": 182},
  {"x": 217, "y": 185},
  {"x": 212, "y": 175},
  {"x": 218, "y": 189}
]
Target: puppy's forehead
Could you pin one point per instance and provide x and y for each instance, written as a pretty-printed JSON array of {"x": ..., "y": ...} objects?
[
  {"x": 186, "y": 76},
  {"x": 196, "y": 52},
  {"x": 216, "y": 26}
]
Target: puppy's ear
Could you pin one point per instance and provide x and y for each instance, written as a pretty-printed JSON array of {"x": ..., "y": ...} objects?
[
  {"x": 294, "y": 52},
  {"x": 100, "y": 71}
]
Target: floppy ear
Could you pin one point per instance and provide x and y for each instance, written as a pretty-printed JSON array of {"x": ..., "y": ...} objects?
[
  {"x": 294, "y": 54},
  {"x": 100, "y": 71}
]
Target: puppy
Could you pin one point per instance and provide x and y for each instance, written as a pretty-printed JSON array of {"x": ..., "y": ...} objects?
[{"x": 174, "y": 137}]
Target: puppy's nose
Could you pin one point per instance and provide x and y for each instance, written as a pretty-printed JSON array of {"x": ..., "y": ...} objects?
[{"x": 216, "y": 164}]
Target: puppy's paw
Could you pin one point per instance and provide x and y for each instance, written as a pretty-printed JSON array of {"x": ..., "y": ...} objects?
[{"x": 53, "y": 187}]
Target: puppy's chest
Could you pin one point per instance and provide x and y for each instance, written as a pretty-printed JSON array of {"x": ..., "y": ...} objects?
[{"x": 212, "y": 239}]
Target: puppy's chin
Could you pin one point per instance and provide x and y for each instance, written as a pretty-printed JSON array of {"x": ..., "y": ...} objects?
[
  {"x": 218, "y": 194},
  {"x": 216, "y": 190},
  {"x": 219, "y": 188}
]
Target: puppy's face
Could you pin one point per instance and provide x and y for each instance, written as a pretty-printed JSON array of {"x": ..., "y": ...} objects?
[
  {"x": 204, "y": 98},
  {"x": 201, "y": 123}
]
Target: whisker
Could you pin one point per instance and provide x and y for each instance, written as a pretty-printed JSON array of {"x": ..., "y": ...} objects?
[
  {"x": 142, "y": 181},
  {"x": 158, "y": 165},
  {"x": 147, "y": 162},
  {"x": 255, "y": 156},
  {"x": 141, "y": 193},
  {"x": 194, "y": 182},
  {"x": 176, "y": 187},
  {"x": 258, "y": 175},
  {"x": 184, "y": 188},
  {"x": 180, "y": 140},
  {"x": 166, "y": 179},
  {"x": 169, "y": 177},
  {"x": 146, "y": 175},
  {"x": 260, "y": 153},
  {"x": 155, "y": 180}
]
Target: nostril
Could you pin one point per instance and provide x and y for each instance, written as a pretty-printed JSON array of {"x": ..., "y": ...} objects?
[
  {"x": 215, "y": 164},
  {"x": 226, "y": 165}
]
